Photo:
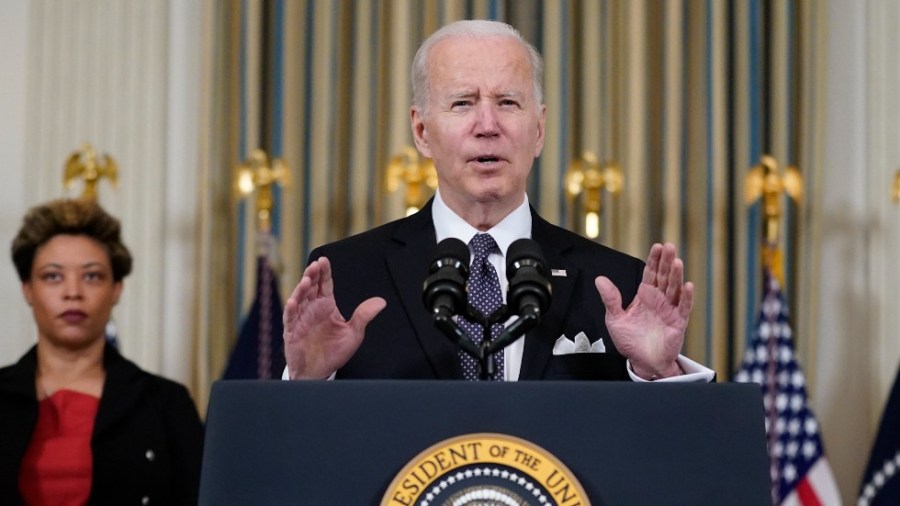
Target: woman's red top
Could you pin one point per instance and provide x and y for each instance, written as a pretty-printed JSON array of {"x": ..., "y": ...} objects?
[{"x": 57, "y": 467}]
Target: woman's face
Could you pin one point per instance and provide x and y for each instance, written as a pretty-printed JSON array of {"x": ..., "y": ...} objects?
[{"x": 71, "y": 291}]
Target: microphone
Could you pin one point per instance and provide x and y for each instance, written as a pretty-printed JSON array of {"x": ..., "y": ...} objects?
[
  {"x": 444, "y": 292},
  {"x": 529, "y": 284},
  {"x": 529, "y": 292}
]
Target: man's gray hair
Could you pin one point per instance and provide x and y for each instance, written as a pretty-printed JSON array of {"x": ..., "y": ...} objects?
[{"x": 473, "y": 28}]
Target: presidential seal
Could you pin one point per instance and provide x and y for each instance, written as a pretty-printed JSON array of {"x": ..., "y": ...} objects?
[{"x": 485, "y": 469}]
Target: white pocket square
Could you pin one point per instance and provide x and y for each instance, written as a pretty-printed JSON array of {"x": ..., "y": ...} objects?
[{"x": 581, "y": 344}]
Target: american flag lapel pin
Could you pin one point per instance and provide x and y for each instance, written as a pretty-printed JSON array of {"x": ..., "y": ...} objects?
[{"x": 558, "y": 273}]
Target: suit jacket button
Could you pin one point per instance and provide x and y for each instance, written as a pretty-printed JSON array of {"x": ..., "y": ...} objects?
[{"x": 150, "y": 456}]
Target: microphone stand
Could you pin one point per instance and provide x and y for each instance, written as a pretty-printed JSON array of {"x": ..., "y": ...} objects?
[
  {"x": 485, "y": 357},
  {"x": 528, "y": 320},
  {"x": 443, "y": 320},
  {"x": 484, "y": 352},
  {"x": 444, "y": 292}
]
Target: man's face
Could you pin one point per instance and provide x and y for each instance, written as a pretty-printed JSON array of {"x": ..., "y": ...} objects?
[{"x": 483, "y": 126}]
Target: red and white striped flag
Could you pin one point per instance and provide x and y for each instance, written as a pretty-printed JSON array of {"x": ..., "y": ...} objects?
[{"x": 800, "y": 472}]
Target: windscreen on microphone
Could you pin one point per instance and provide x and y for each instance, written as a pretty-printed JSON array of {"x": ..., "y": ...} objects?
[
  {"x": 529, "y": 280},
  {"x": 445, "y": 287}
]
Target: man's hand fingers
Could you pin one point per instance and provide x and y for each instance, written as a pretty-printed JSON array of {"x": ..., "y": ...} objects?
[
  {"x": 665, "y": 266},
  {"x": 687, "y": 300},
  {"x": 652, "y": 264},
  {"x": 676, "y": 278},
  {"x": 326, "y": 282},
  {"x": 610, "y": 296},
  {"x": 365, "y": 312}
]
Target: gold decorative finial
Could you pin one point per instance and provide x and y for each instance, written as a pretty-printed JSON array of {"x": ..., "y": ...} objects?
[
  {"x": 587, "y": 176},
  {"x": 418, "y": 173},
  {"x": 257, "y": 173},
  {"x": 764, "y": 181},
  {"x": 88, "y": 165}
]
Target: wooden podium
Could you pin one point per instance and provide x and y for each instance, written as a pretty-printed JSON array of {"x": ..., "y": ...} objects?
[{"x": 343, "y": 442}]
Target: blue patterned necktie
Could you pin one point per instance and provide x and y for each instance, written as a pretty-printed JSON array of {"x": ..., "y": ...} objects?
[{"x": 484, "y": 295}]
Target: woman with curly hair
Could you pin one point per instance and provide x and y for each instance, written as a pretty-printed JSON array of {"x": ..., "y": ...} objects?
[{"x": 79, "y": 423}]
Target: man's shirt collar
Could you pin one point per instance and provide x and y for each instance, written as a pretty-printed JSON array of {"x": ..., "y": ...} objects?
[{"x": 447, "y": 223}]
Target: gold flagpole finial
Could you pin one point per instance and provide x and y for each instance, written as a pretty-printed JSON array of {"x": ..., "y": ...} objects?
[
  {"x": 88, "y": 165},
  {"x": 257, "y": 173},
  {"x": 764, "y": 181},
  {"x": 417, "y": 173},
  {"x": 587, "y": 176}
]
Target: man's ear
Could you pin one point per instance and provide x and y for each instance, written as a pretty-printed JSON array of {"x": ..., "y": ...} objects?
[
  {"x": 539, "y": 139},
  {"x": 420, "y": 133}
]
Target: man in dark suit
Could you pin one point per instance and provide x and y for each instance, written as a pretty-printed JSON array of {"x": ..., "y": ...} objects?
[{"x": 478, "y": 113}]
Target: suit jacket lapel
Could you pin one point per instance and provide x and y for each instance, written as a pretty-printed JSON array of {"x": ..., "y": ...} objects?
[
  {"x": 121, "y": 390},
  {"x": 539, "y": 342},
  {"x": 416, "y": 243}
]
